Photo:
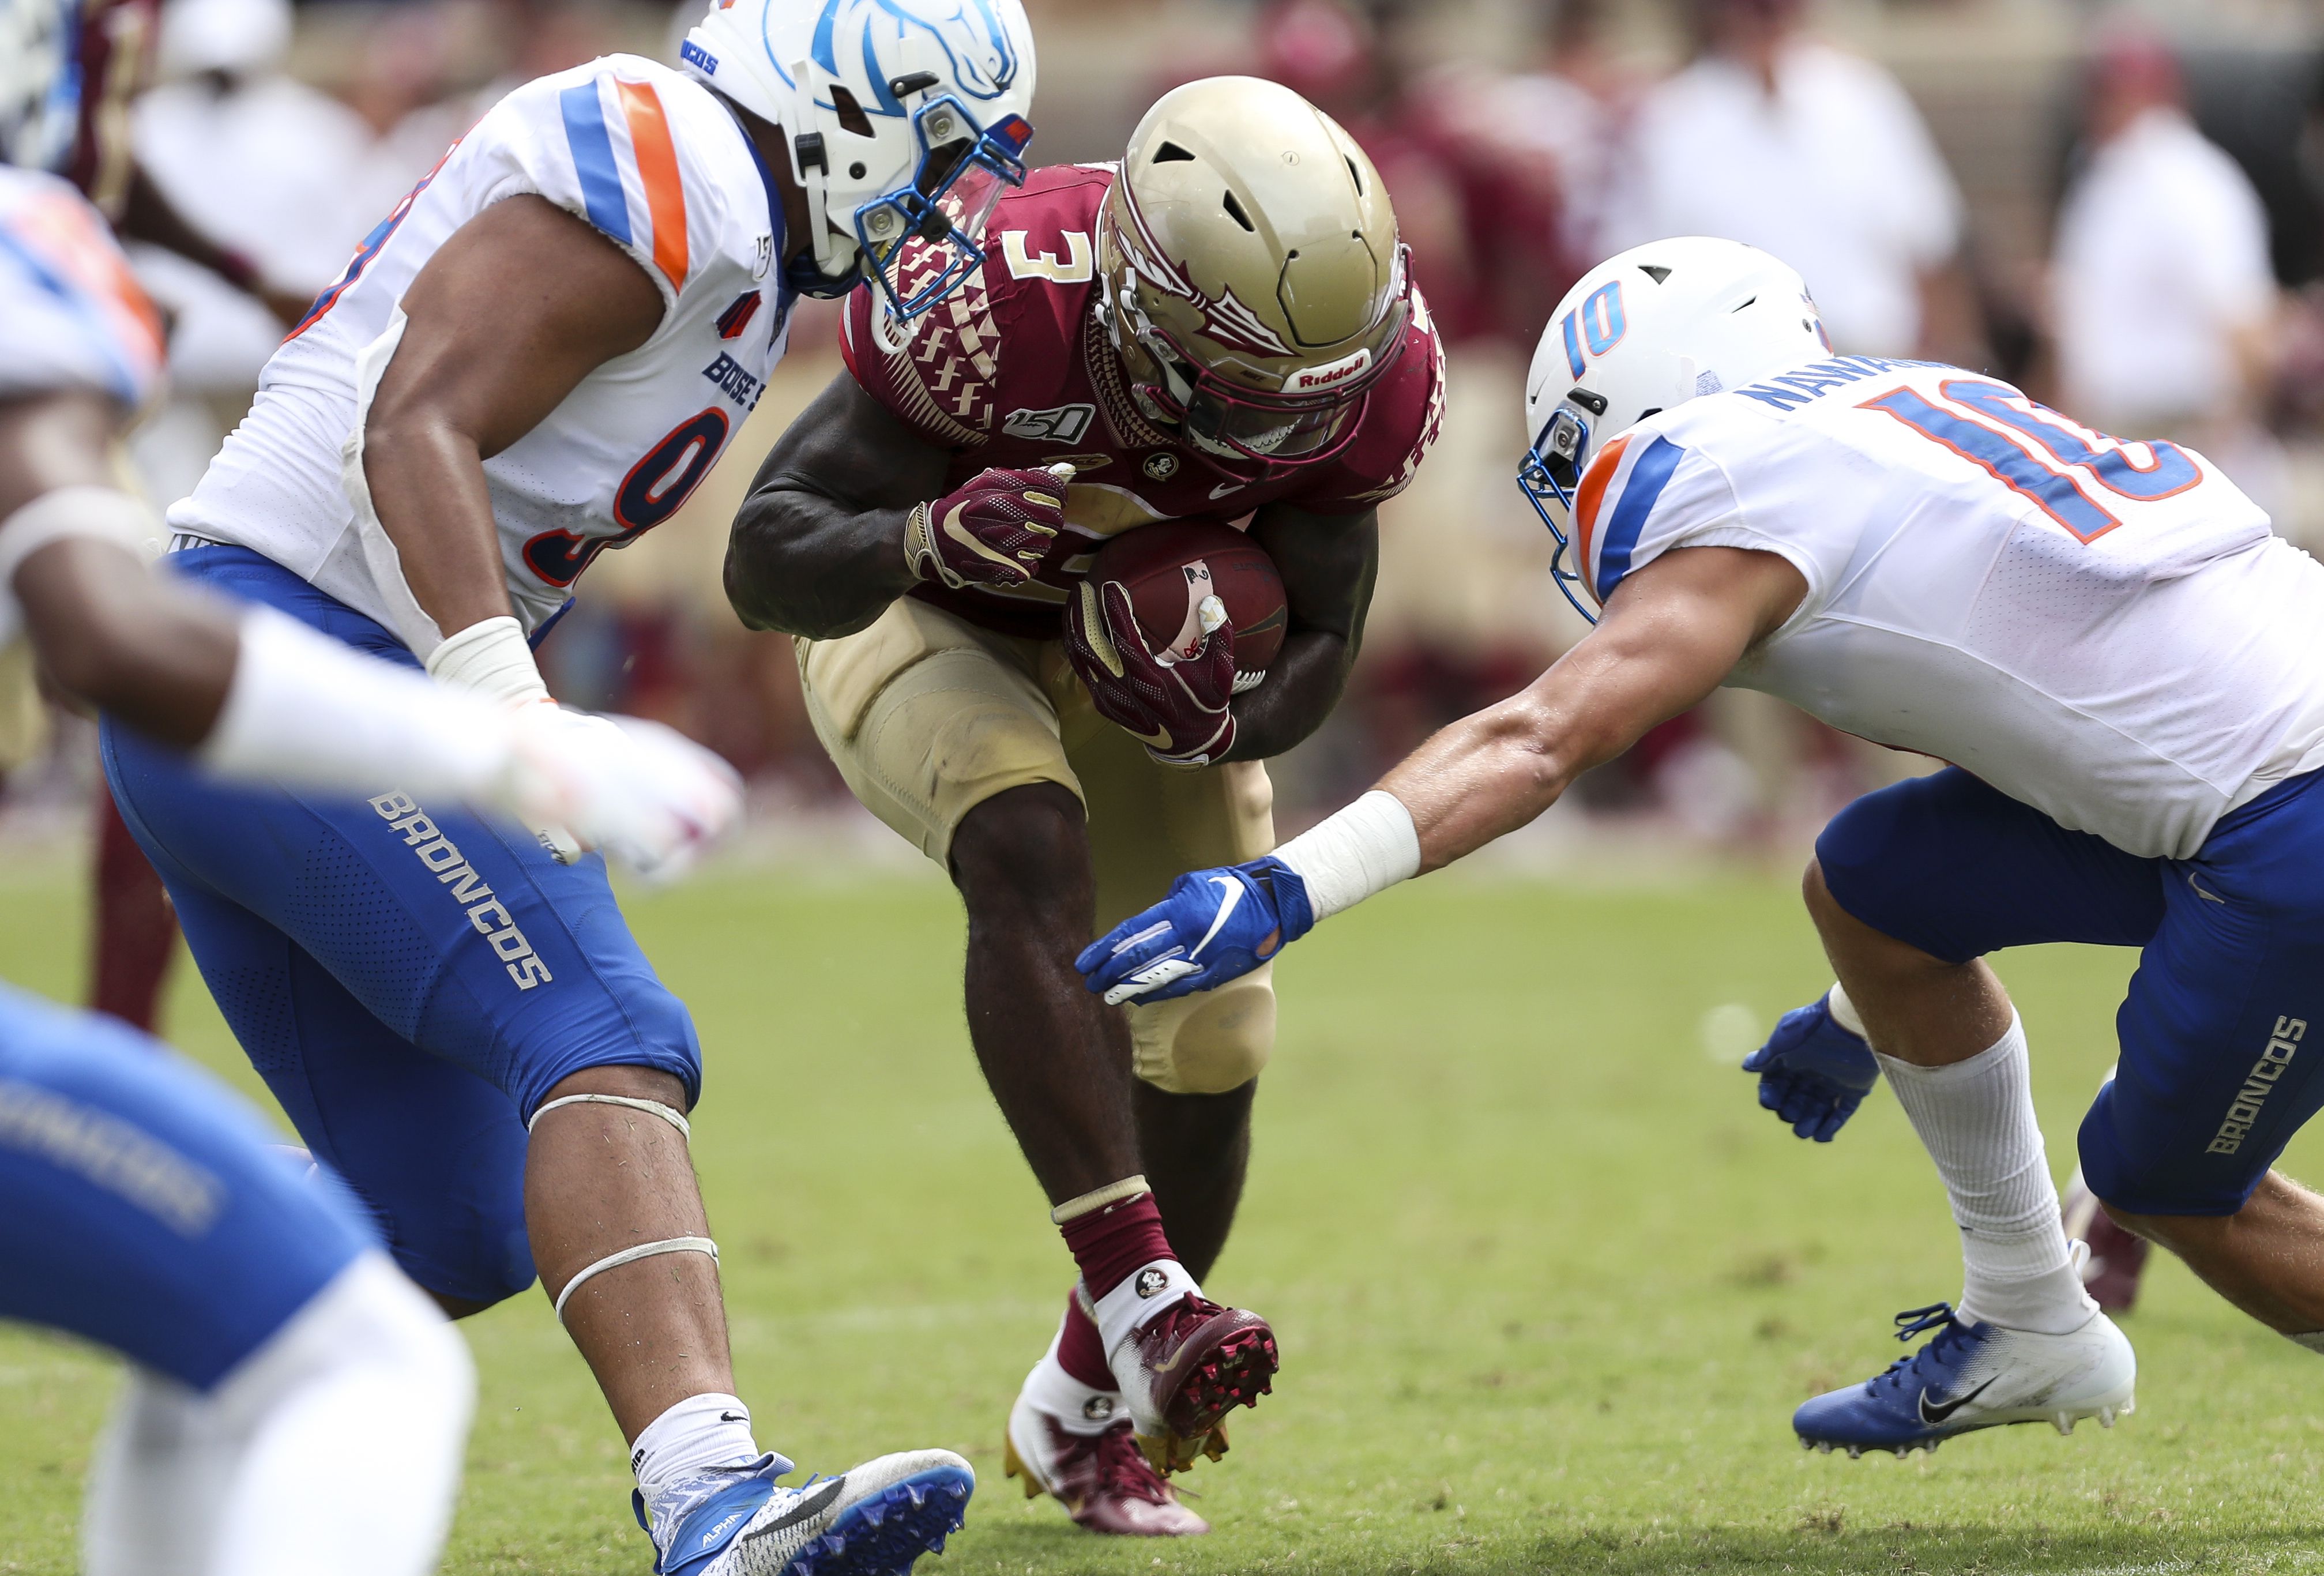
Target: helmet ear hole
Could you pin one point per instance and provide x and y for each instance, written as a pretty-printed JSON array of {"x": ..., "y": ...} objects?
[{"x": 851, "y": 114}]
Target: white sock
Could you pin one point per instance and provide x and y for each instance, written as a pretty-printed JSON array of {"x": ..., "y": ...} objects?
[
  {"x": 1077, "y": 1407},
  {"x": 697, "y": 1435},
  {"x": 1977, "y": 1119}
]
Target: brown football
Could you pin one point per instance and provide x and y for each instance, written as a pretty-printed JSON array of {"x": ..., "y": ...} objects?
[{"x": 1168, "y": 567}]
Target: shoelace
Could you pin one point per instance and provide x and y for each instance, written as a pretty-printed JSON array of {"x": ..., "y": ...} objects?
[
  {"x": 1912, "y": 1321},
  {"x": 1122, "y": 1468},
  {"x": 1187, "y": 1310}
]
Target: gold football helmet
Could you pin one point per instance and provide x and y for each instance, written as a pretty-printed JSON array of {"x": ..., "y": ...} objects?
[{"x": 1255, "y": 288}]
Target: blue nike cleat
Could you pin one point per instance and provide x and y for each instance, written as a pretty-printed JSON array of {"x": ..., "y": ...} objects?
[
  {"x": 1812, "y": 1072},
  {"x": 1972, "y": 1377},
  {"x": 875, "y": 1520}
]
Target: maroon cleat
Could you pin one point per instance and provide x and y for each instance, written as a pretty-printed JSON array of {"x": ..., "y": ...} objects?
[
  {"x": 2117, "y": 1257},
  {"x": 1185, "y": 1369},
  {"x": 1103, "y": 1480}
]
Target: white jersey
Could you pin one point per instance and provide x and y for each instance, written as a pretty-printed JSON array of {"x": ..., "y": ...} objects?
[
  {"x": 2107, "y": 631},
  {"x": 71, "y": 313},
  {"x": 657, "y": 164},
  {"x": 72, "y": 316}
]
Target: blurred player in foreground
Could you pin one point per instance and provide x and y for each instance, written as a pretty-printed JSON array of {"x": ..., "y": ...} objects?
[
  {"x": 536, "y": 356},
  {"x": 2128, "y": 669},
  {"x": 295, "y": 1404},
  {"x": 1220, "y": 327}
]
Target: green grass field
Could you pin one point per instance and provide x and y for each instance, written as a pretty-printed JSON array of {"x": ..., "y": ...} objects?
[{"x": 1548, "y": 1283}]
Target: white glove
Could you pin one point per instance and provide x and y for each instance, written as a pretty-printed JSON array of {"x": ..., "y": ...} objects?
[{"x": 646, "y": 795}]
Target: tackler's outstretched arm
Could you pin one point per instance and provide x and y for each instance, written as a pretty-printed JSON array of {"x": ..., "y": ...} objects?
[{"x": 1672, "y": 634}]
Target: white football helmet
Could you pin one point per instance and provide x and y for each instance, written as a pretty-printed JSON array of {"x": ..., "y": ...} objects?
[
  {"x": 905, "y": 117},
  {"x": 39, "y": 82},
  {"x": 1647, "y": 329}
]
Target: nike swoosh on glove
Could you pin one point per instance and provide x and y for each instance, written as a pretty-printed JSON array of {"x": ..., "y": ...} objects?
[
  {"x": 992, "y": 529},
  {"x": 649, "y": 797},
  {"x": 1812, "y": 1072},
  {"x": 1215, "y": 926},
  {"x": 1181, "y": 711}
]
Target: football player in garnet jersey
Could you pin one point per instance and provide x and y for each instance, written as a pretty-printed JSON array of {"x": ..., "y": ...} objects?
[
  {"x": 2127, "y": 668},
  {"x": 1221, "y": 327},
  {"x": 534, "y": 358}
]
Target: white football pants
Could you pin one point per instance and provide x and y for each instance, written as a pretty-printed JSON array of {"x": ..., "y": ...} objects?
[{"x": 333, "y": 1450}]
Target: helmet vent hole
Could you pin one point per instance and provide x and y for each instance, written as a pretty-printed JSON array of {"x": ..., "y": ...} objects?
[
  {"x": 852, "y": 117},
  {"x": 1171, "y": 153},
  {"x": 1234, "y": 211},
  {"x": 1753, "y": 301},
  {"x": 1356, "y": 176},
  {"x": 1655, "y": 272}
]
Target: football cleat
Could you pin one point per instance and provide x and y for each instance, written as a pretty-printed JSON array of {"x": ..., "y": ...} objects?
[
  {"x": 1812, "y": 1072},
  {"x": 2117, "y": 1259},
  {"x": 1972, "y": 1377},
  {"x": 1185, "y": 1369},
  {"x": 873, "y": 1520},
  {"x": 1102, "y": 1479}
]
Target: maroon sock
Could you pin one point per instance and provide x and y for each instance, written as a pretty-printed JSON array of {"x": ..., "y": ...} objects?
[
  {"x": 1080, "y": 1351},
  {"x": 1113, "y": 1243}
]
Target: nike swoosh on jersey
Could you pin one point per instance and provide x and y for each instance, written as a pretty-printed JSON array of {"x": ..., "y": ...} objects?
[
  {"x": 1223, "y": 488},
  {"x": 1941, "y": 1410}
]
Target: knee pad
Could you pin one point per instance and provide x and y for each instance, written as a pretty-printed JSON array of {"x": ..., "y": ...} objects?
[{"x": 1208, "y": 1043}]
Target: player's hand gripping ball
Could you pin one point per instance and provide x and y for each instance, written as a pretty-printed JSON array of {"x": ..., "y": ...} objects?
[
  {"x": 993, "y": 529},
  {"x": 1214, "y": 927},
  {"x": 1174, "y": 621},
  {"x": 1812, "y": 1072}
]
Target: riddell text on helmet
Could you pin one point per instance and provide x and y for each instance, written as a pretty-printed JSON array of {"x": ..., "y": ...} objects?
[{"x": 447, "y": 865}]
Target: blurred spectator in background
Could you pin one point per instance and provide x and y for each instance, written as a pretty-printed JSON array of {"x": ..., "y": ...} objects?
[
  {"x": 260, "y": 162},
  {"x": 1572, "y": 114},
  {"x": 2163, "y": 299},
  {"x": 1775, "y": 138}
]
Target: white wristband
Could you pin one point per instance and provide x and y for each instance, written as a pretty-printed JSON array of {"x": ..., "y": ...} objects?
[
  {"x": 492, "y": 659},
  {"x": 1366, "y": 848},
  {"x": 304, "y": 709},
  {"x": 99, "y": 514},
  {"x": 1844, "y": 1013}
]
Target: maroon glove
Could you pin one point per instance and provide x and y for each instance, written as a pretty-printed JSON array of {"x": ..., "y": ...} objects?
[
  {"x": 992, "y": 530},
  {"x": 1177, "y": 710}
]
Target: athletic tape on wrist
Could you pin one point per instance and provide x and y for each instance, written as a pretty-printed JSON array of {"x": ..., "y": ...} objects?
[
  {"x": 1089, "y": 1203},
  {"x": 630, "y": 1256},
  {"x": 99, "y": 514},
  {"x": 651, "y": 1107},
  {"x": 1844, "y": 1013},
  {"x": 1364, "y": 849},
  {"x": 490, "y": 657}
]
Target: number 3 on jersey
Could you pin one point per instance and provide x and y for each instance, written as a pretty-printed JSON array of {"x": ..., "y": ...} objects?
[
  {"x": 2048, "y": 456},
  {"x": 651, "y": 493}
]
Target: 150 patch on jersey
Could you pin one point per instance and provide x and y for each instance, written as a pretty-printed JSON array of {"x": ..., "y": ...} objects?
[{"x": 1057, "y": 424}]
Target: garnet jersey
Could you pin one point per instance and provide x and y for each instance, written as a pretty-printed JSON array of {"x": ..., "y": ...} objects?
[
  {"x": 71, "y": 313},
  {"x": 660, "y": 167},
  {"x": 1015, "y": 370},
  {"x": 2107, "y": 631}
]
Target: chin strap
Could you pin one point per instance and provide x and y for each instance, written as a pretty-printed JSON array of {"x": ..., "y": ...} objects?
[{"x": 644, "y": 1249}]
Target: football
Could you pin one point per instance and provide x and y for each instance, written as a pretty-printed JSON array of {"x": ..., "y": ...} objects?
[{"x": 1170, "y": 566}]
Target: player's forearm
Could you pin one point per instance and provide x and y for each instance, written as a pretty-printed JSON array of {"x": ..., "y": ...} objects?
[
  {"x": 1490, "y": 774},
  {"x": 112, "y": 636},
  {"x": 428, "y": 487},
  {"x": 1303, "y": 684},
  {"x": 805, "y": 563}
]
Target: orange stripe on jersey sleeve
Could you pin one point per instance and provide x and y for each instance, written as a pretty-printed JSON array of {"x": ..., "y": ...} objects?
[
  {"x": 1586, "y": 503},
  {"x": 657, "y": 158}
]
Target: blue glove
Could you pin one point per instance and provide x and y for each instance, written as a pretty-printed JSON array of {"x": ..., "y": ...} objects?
[
  {"x": 1812, "y": 1072},
  {"x": 1215, "y": 926}
]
